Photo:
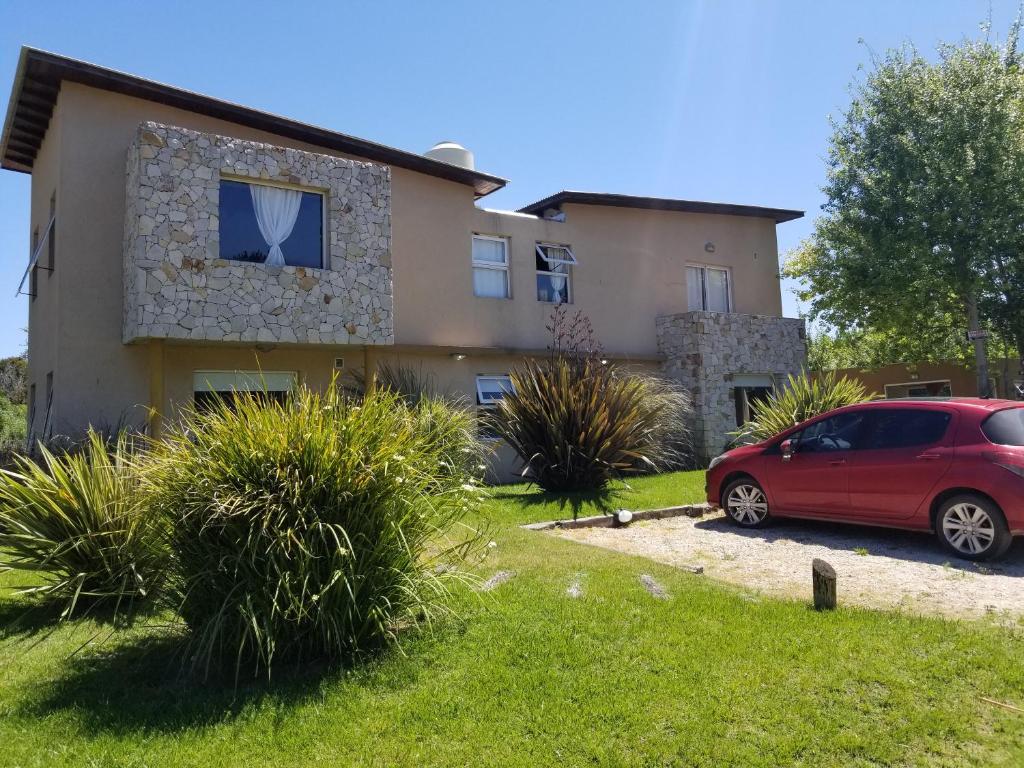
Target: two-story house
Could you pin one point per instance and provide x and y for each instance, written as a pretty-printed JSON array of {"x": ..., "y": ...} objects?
[{"x": 184, "y": 246}]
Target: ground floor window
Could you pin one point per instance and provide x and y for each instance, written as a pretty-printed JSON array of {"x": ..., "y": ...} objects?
[
  {"x": 489, "y": 390},
  {"x": 209, "y": 387},
  {"x": 750, "y": 389}
]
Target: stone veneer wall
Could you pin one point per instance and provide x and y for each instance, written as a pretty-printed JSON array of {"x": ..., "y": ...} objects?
[
  {"x": 703, "y": 350},
  {"x": 175, "y": 284}
]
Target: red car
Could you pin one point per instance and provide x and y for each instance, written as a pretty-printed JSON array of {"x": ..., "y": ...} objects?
[{"x": 954, "y": 466}]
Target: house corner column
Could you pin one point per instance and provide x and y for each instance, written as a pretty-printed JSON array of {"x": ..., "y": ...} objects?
[{"x": 369, "y": 369}]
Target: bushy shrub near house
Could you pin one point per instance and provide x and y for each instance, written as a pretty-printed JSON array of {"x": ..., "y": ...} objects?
[
  {"x": 578, "y": 421},
  {"x": 78, "y": 519},
  {"x": 801, "y": 398},
  {"x": 13, "y": 426},
  {"x": 312, "y": 529},
  {"x": 13, "y": 379}
]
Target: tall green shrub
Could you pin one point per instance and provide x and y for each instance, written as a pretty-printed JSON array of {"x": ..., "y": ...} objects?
[
  {"x": 13, "y": 428},
  {"x": 312, "y": 529},
  {"x": 578, "y": 421},
  {"x": 578, "y": 424},
  {"x": 78, "y": 520},
  {"x": 802, "y": 397}
]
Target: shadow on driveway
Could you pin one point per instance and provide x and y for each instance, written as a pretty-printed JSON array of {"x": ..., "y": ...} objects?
[{"x": 887, "y": 542}]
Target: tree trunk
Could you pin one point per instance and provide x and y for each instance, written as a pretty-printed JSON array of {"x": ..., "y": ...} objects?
[{"x": 980, "y": 353}]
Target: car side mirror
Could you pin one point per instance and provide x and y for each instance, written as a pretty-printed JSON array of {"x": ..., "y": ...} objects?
[{"x": 787, "y": 447}]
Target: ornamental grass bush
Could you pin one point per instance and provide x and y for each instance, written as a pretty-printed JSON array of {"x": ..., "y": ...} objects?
[
  {"x": 312, "y": 529},
  {"x": 579, "y": 421},
  {"x": 579, "y": 424},
  {"x": 800, "y": 399},
  {"x": 78, "y": 520}
]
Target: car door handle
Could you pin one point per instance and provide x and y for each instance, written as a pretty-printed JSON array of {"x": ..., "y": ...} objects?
[
  {"x": 837, "y": 462},
  {"x": 929, "y": 456}
]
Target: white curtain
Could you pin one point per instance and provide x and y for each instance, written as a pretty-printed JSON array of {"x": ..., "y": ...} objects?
[
  {"x": 276, "y": 211},
  {"x": 557, "y": 281}
]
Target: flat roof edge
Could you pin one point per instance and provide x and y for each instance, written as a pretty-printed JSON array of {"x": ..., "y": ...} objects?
[{"x": 780, "y": 215}]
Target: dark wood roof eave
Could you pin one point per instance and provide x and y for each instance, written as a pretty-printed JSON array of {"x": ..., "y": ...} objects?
[
  {"x": 37, "y": 83},
  {"x": 559, "y": 199}
]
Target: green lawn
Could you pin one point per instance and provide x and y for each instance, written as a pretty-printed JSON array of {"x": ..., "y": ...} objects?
[{"x": 710, "y": 676}]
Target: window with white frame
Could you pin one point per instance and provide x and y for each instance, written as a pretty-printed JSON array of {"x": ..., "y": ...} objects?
[
  {"x": 708, "y": 288},
  {"x": 489, "y": 390},
  {"x": 490, "y": 267},
  {"x": 554, "y": 273}
]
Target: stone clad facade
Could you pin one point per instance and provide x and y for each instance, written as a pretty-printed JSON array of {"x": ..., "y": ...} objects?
[
  {"x": 705, "y": 350},
  {"x": 177, "y": 287}
]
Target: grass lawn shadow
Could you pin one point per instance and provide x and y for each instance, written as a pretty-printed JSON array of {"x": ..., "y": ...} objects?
[
  {"x": 143, "y": 684},
  {"x": 22, "y": 619}
]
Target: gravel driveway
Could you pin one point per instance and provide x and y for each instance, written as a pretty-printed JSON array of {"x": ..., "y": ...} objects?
[{"x": 876, "y": 567}]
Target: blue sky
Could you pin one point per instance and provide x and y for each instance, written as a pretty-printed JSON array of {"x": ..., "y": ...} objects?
[{"x": 724, "y": 101}]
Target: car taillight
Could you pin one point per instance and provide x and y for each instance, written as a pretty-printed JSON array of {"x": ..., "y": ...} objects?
[{"x": 1007, "y": 460}]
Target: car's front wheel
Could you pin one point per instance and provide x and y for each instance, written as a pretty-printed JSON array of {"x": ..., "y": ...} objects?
[
  {"x": 745, "y": 503},
  {"x": 973, "y": 527}
]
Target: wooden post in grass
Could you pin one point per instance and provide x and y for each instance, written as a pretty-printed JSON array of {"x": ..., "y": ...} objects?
[{"x": 823, "y": 579}]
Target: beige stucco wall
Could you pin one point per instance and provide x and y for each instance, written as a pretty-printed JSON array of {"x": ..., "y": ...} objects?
[
  {"x": 631, "y": 270},
  {"x": 44, "y": 309}
]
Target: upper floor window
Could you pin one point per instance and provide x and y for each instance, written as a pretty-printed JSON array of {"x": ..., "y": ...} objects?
[
  {"x": 708, "y": 289},
  {"x": 554, "y": 273},
  {"x": 490, "y": 267},
  {"x": 271, "y": 225}
]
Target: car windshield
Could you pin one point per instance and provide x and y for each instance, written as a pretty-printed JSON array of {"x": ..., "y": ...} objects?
[{"x": 1005, "y": 427}]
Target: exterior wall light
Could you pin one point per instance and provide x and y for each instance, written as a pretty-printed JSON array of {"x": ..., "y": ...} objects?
[
  {"x": 604, "y": 361},
  {"x": 458, "y": 356}
]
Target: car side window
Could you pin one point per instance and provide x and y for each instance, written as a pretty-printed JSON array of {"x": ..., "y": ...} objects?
[
  {"x": 904, "y": 428},
  {"x": 836, "y": 433}
]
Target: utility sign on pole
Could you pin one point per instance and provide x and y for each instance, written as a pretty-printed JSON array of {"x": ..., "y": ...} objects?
[{"x": 975, "y": 335}]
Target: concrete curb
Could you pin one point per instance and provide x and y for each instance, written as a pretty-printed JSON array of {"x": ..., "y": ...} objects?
[{"x": 608, "y": 521}]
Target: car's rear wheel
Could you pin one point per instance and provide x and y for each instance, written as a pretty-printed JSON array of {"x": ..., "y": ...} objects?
[
  {"x": 745, "y": 503},
  {"x": 973, "y": 527}
]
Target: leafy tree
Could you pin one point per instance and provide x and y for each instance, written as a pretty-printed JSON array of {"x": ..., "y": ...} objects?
[
  {"x": 921, "y": 235},
  {"x": 868, "y": 348},
  {"x": 12, "y": 378}
]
